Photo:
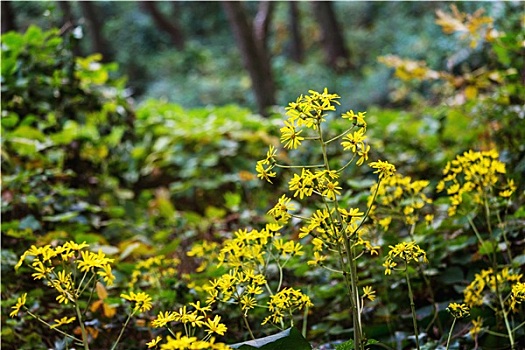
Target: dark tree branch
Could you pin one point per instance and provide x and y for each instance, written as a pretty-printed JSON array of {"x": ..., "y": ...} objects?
[
  {"x": 296, "y": 43},
  {"x": 254, "y": 54},
  {"x": 332, "y": 38},
  {"x": 8, "y": 17},
  {"x": 95, "y": 25},
  {"x": 167, "y": 25}
]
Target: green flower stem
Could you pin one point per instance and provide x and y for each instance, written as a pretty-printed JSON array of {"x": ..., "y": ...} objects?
[
  {"x": 122, "y": 330},
  {"x": 450, "y": 333},
  {"x": 247, "y": 325},
  {"x": 82, "y": 328},
  {"x": 519, "y": 326},
  {"x": 506, "y": 318},
  {"x": 412, "y": 306},
  {"x": 47, "y": 324},
  {"x": 350, "y": 287},
  {"x": 298, "y": 166},
  {"x": 340, "y": 135}
]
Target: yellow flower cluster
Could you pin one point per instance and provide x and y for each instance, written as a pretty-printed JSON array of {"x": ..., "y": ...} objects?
[
  {"x": 398, "y": 196},
  {"x": 197, "y": 318},
  {"x": 153, "y": 271},
  {"x": 237, "y": 287},
  {"x": 470, "y": 26},
  {"x": 486, "y": 284},
  {"x": 404, "y": 251},
  {"x": 458, "y": 310},
  {"x": 475, "y": 173},
  {"x": 183, "y": 342},
  {"x": 47, "y": 259},
  {"x": 285, "y": 303},
  {"x": 142, "y": 301},
  {"x": 406, "y": 69},
  {"x": 204, "y": 250},
  {"x": 310, "y": 111}
]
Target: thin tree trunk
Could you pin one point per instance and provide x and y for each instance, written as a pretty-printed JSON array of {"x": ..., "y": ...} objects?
[
  {"x": 167, "y": 25},
  {"x": 296, "y": 49},
  {"x": 8, "y": 17},
  {"x": 69, "y": 24},
  {"x": 332, "y": 38},
  {"x": 252, "y": 45},
  {"x": 95, "y": 24}
]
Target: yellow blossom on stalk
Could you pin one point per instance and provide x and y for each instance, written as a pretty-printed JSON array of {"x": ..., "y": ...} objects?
[
  {"x": 280, "y": 211},
  {"x": 458, "y": 310},
  {"x": 357, "y": 119},
  {"x": 476, "y": 327},
  {"x": 309, "y": 110},
  {"x": 483, "y": 288},
  {"x": 354, "y": 141},
  {"x": 63, "y": 321},
  {"x": 215, "y": 326},
  {"x": 265, "y": 173},
  {"x": 153, "y": 343},
  {"x": 285, "y": 302},
  {"x": 331, "y": 190},
  {"x": 21, "y": 301},
  {"x": 183, "y": 342},
  {"x": 517, "y": 295},
  {"x": 106, "y": 274},
  {"x": 90, "y": 260},
  {"x": 142, "y": 301},
  {"x": 317, "y": 260},
  {"x": 476, "y": 174},
  {"x": 405, "y": 251},
  {"x": 369, "y": 293},
  {"x": 385, "y": 169},
  {"x": 303, "y": 184},
  {"x": 290, "y": 136},
  {"x": 163, "y": 318}
]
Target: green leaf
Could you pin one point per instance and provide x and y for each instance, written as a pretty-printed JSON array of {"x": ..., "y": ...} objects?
[
  {"x": 487, "y": 247},
  {"x": 347, "y": 345},
  {"x": 63, "y": 217},
  {"x": 287, "y": 339}
]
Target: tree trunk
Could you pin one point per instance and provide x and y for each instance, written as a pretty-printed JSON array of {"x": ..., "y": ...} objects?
[
  {"x": 69, "y": 24},
  {"x": 251, "y": 40},
  {"x": 8, "y": 17},
  {"x": 167, "y": 25},
  {"x": 331, "y": 36},
  {"x": 296, "y": 49},
  {"x": 95, "y": 24}
]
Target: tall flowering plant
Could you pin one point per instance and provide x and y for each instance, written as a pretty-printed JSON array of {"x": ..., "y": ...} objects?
[{"x": 334, "y": 228}]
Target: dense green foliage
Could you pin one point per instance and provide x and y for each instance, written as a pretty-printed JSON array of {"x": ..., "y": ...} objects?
[{"x": 81, "y": 162}]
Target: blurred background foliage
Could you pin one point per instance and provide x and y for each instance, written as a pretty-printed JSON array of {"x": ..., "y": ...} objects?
[{"x": 151, "y": 145}]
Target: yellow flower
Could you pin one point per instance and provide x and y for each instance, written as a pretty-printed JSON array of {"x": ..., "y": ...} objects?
[
  {"x": 62, "y": 321},
  {"x": 142, "y": 300},
  {"x": 357, "y": 119},
  {"x": 153, "y": 343},
  {"x": 369, "y": 293},
  {"x": 163, "y": 318},
  {"x": 289, "y": 136},
  {"x": 354, "y": 141},
  {"x": 458, "y": 310},
  {"x": 264, "y": 173},
  {"x": 476, "y": 327},
  {"x": 215, "y": 326},
  {"x": 106, "y": 274},
  {"x": 385, "y": 169},
  {"x": 21, "y": 301}
]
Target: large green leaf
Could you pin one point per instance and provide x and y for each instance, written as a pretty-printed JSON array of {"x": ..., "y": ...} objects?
[{"x": 290, "y": 338}]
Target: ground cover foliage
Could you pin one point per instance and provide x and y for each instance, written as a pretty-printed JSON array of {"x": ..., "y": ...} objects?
[{"x": 149, "y": 225}]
